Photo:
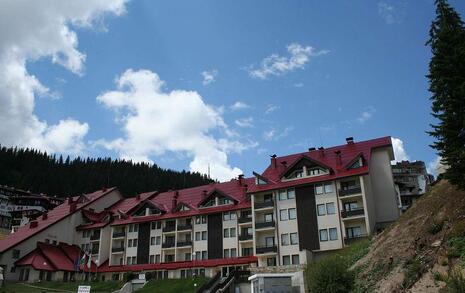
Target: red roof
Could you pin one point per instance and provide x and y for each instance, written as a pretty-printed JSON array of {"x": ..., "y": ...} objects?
[
  {"x": 327, "y": 158},
  {"x": 48, "y": 257},
  {"x": 53, "y": 216},
  {"x": 179, "y": 264}
]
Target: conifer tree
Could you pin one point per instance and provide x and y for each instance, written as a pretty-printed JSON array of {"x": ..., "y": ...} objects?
[{"x": 447, "y": 85}]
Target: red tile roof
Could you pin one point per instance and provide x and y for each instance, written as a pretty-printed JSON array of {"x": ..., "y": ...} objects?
[
  {"x": 179, "y": 264},
  {"x": 53, "y": 216}
]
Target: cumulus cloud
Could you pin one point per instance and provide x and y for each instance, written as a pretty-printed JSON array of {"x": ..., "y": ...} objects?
[
  {"x": 366, "y": 115},
  {"x": 275, "y": 64},
  {"x": 30, "y": 30},
  {"x": 399, "y": 151},
  {"x": 391, "y": 13},
  {"x": 209, "y": 76},
  {"x": 244, "y": 122},
  {"x": 239, "y": 106},
  {"x": 155, "y": 121}
]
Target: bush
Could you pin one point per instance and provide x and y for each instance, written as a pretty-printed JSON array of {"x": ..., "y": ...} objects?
[
  {"x": 435, "y": 227},
  {"x": 129, "y": 276},
  {"x": 413, "y": 271},
  {"x": 457, "y": 247},
  {"x": 150, "y": 275},
  {"x": 330, "y": 275},
  {"x": 455, "y": 282}
]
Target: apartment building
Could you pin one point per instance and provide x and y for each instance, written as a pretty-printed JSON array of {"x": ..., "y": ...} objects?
[{"x": 302, "y": 207}]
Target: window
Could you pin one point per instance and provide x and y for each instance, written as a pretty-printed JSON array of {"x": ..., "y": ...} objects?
[
  {"x": 229, "y": 232},
  {"x": 291, "y": 193},
  {"x": 292, "y": 214},
  {"x": 225, "y": 233},
  {"x": 152, "y": 259},
  {"x": 268, "y": 197},
  {"x": 130, "y": 243},
  {"x": 271, "y": 261},
  {"x": 321, "y": 209},
  {"x": 233, "y": 252},
  {"x": 233, "y": 216},
  {"x": 204, "y": 219},
  {"x": 129, "y": 260},
  {"x": 187, "y": 256},
  {"x": 226, "y": 253},
  {"x": 269, "y": 241},
  {"x": 284, "y": 239},
  {"x": 269, "y": 217},
  {"x": 247, "y": 251},
  {"x": 350, "y": 206},
  {"x": 157, "y": 258},
  {"x": 283, "y": 215},
  {"x": 286, "y": 260},
  {"x": 134, "y": 260},
  {"x": 354, "y": 232},
  {"x": 197, "y": 220},
  {"x": 16, "y": 253},
  {"x": 155, "y": 225},
  {"x": 319, "y": 189},
  {"x": 294, "y": 238},
  {"x": 198, "y": 255},
  {"x": 323, "y": 235},
  {"x": 204, "y": 254},
  {"x": 330, "y": 208},
  {"x": 332, "y": 234},
  {"x": 295, "y": 259},
  {"x": 282, "y": 195},
  {"x": 152, "y": 240},
  {"x": 134, "y": 242},
  {"x": 226, "y": 216},
  {"x": 328, "y": 187},
  {"x": 232, "y": 232},
  {"x": 158, "y": 240},
  {"x": 204, "y": 235},
  {"x": 197, "y": 236}
]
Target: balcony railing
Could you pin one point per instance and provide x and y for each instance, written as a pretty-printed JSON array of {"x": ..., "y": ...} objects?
[
  {"x": 168, "y": 244},
  {"x": 264, "y": 204},
  {"x": 266, "y": 249},
  {"x": 350, "y": 191},
  {"x": 184, "y": 227},
  {"x": 117, "y": 249},
  {"x": 349, "y": 240},
  {"x": 119, "y": 234},
  {"x": 95, "y": 237},
  {"x": 169, "y": 228},
  {"x": 353, "y": 213},
  {"x": 245, "y": 237},
  {"x": 243, "y": 220},
  {"x": 184, "y": 243},
  {"x": 264, "y": 225}
]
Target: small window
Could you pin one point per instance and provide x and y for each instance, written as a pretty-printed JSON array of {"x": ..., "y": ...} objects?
[
  {"x": 152, "y": 240},
  {"x": 291, "y": 193},
  {"x": 197, "y": 219},
  {"x": 294, "y": 238},
  {"x": 233, "y": 252},
  {"x": 232, "y": 232},
  {"x": 152, "y": 259},
  {"x": 269, "y": 217},
  {"x": 226, "y": 216},
  {"x": 129, "y": 260},
  {"x": 283, "y": 215},
  {"x": 204, "y": 235},
  {"x": 158, "y": 240},
  {"x": 328, "y": 187},
  {"x": 295, "y": 259},
  {"x": 284, "y": 239},
  {"x": 323, "y": 235},
  {"x": 198, "y": 255},
  {"x": 157, "y": 258},
  {"x": 319, "y": 189},
  {"x": 226, "y": 253},
  {"x": 271, "y": 261},
  {"x": 134, "y": 242},
  {"x": 204, "y": 254},
  {"x": 225, "y": 233},
  {"x": 204, "y": 219},
  {"x": 292, "y": 214},
  {"x": 282, "y": 195},
  {"x": 286, "y": 260},
  {"x": 233, "y": 216},
  {"x": 330, "y": 208},
  {"x": 321, "y": 210},
  {"x": 197, "y": 236},
  {"x": 332, "y": 234}
]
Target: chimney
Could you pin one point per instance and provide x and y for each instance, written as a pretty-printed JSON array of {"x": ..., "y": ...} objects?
[
  {"x": 321, "y": 151},
  {"x": 350, "y": 140},
  {"x": 273, "y": 161},
  {"x": 33, "y": 224},
  {"x": 338, "y": 157},
  {"x": 240, "y": 179},
  {"x": 175, "y": 202},
  {"x": 311, "y": 149},
  {"x": 44, "y": 216},
  {"x": 69, "y": 200}
]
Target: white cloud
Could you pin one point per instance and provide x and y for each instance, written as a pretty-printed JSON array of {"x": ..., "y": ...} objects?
[
  {"x": 209, "y": 76},
  {"x": 244, "y": 122},
  {"x": 32, "y": 30},
  {"x": 271, "y": 108},
  {"x": 399, "y": 151},
  {"x": 391, "y": 13},
  {"x": 298, "y": 84},
  {"x": 239, "y": 106},
  {"x": 278, "y": 65},
  {"x": 366, "y": 115},
  {"x": 155, "y": 121},
  {"x": 274, "y": 134}
]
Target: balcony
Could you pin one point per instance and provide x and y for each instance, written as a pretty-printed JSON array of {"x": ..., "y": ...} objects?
[
  {"x": 169, "y": 229},
  {"x": 184, "y": 227},
  {"x": 266, "y": 249},
  {"x": 95, "y": 237},
  {"x": 264, "y": 204},
  {"x": 117, "y": 249},
  {"x": 245, "y": 237},
  {"x": 244, "y": 220},
  {"x": 120, "y": 234},
  {"x": 264, "y": 225},
  {"x": 355, "y": 238},
  {"x": 353, "y": 213},
  {"x": 168, "y": 245},
  {"x": 184, "y": 243},
  {"x": 350, "y": 191}
]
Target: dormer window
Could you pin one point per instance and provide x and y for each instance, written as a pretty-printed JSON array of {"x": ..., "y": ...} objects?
[
  {"x": 259, "y": 181},
  {"x": 296, "y": 174},
  {"x": 355, "y": 165},
  {"x": 305, "y": 167},
  {"x": 154, "y": 212},
  {"x": 315, "y": 171},
  {"x": 224, "y": 200},
  {"x": 210, "y": 203},
  {"x": 216, "y": 197}
]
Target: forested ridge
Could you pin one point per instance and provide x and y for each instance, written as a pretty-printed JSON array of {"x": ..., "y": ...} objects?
[{"x": 37, "y": 171}]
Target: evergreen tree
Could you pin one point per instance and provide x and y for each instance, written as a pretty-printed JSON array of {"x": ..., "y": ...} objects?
[{"x": 447, "y": 85}]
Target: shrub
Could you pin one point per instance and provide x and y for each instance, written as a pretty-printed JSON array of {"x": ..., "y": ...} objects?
[
  {"x": 435, "y": 227},
  {"x": 129, "y": 276},
  {"x": 413, "y": 270},
  {"x": 455, "y": 282},
  {"x": 330, "y": 275},
  {"x": 457, "y": 247},
  {"x": 150, "y": 275}
]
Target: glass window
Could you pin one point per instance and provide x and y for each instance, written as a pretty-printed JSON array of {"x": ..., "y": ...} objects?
[
  {"x": 152, "y": 240},
  {"x": 271, "y": 261},
  {"x": 330, "y": 208},
  {"x": 328, "y": 187},
  {"x": 134, "y": 242},
  {"x": 268, "y": 217},
  {"x": 233, "y": 215},
  {"x": 291, "y": 193},
  {"x": 197, "y": 220},
  {"x": 282, "y": 195},
  {"x": 204, "y": 235},
  {"x": 332, "y": 234},
  {"x": 269, "y": 241},
  {"x": 232, "y": 232},
  {"x": 128, "y": 260},
  {"x": 284, "y": 239},
  {"x": 204, "y": 219},
  {"x": 204, "y": 254},
  {"x": 292, "y": 214},
  {"x": 152, "y": 259},
  {"x": 323, "y": 235},
  {"x": 319, "y": 189},
  {"x": 294, "y": 238},
  {"x": 321, "y": 210},
  {"x": 233, "y": 252},
  {"x": 283, "y": 215},
  {"x": 226, "y": 216},
  {"x": 157, "y": 258},
  {"x": 225, "y": 233},
  {"x": 286, "y": 260},
  {"x": 295, "y": 259},
  {"x": 197, "y": 255},
  {"x": 226, "y": 253},
  {"x": 197, "y": 236},
  {"x": 158, "y": 240}
]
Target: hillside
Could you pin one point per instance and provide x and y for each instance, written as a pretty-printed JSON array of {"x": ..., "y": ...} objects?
[
  {"x": 424, "y": 251},
  {"x": 39, "y": 172}
]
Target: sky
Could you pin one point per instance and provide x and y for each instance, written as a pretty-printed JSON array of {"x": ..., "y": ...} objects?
[{"x": 217, "y": 85}]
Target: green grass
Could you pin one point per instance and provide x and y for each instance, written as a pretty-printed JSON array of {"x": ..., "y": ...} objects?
[
  {"x": 101, "y": 287},
  {"x": 172, "y": 285}
]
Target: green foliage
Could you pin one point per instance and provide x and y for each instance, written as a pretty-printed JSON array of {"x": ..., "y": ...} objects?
[
  {"x": 331, "y": 274},
  {"x": 435, "y": 227},
  {"x": 457, "y": 248},
  {"x": 39, "y": 172},
  {"x": 173, "y": 285},
  {"x": 128, "y": 276},
  {"x": 150, "y": 275},
  {"x": 455, "y": 282},
  {"x": 447, "y": 86},
  {"x": 413, "y": 271}
]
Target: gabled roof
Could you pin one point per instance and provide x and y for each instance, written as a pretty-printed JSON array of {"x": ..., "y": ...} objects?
[
  {"x": 53, "y": 216},
  {"x": 355, "y": 159},
  {"x": 180, "y": 205},
  {"x": 212, "y": 194},
  {"x": 303, "y": 158},
  {"x": 149, "y": 203}
]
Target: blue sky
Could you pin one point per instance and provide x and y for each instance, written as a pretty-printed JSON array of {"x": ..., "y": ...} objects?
[{"x": 257, "y": 78}]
